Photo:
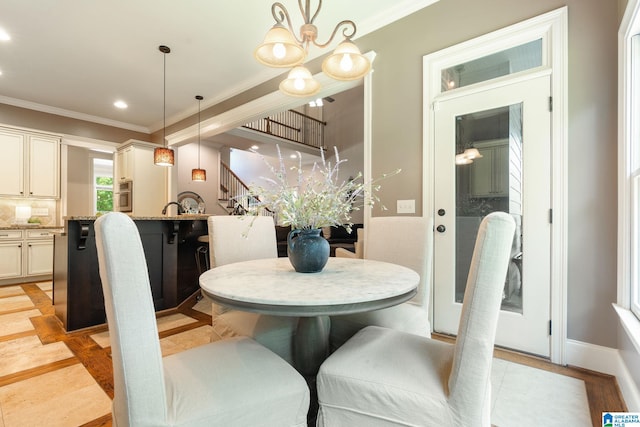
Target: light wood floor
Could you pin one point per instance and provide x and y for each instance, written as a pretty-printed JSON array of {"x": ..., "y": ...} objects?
[{"x": 602, "y": 390}]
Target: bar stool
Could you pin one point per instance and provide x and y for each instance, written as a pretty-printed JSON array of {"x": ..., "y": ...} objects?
[{"x": 202, "y": 250}]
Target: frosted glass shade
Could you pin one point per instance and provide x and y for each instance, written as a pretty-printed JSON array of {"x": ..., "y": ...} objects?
[
  {"x": 163, "y": 156},
  {"x": 198, "y": 175},
  {"x": 300, "y": 83},
  {"x": 280, "y": 49},
  {"x": 346, "y": 62}
]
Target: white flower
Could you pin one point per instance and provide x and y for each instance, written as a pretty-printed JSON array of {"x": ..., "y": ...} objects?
[{"x": 318, "y": 200}]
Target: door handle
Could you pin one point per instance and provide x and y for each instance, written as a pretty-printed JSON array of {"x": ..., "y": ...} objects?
[{"x": 441, "y": 228}]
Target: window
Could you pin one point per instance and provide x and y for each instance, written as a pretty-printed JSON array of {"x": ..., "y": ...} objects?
[
  {"x": 509, "y": 61},
  {"x": 629, "y": 167},
  {"x": 102, "y": 185}
]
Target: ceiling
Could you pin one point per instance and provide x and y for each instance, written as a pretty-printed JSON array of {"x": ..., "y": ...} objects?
[{"x": 76, "y": 58}]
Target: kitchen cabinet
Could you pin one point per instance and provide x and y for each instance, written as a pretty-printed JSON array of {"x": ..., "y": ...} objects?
[
  {"x": 31, "y": 164},
  {"x": 134, "y": 162},
  {"x": 124, "y": 164},
  {"x": 39, "y": 252},
  {"x": 26, "y": 255},
  {"x": 169, "y": 247},
  {"x": 10, "y": 254},
  {"x": 489, "y": 175}
]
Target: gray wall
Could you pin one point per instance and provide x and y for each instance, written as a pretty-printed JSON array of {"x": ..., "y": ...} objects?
[{"x": 592, "y": 215}]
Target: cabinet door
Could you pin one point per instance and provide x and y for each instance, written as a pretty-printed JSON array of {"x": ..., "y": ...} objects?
[
  {"x": 44, "y": 166},
  {"x": 501, "y": 171},
  {"x": 12, "y": 174},
  {"x": 481, "y": 174},
  {"x": 39, "y": 257},
  {"x": 124, "y": 164},
  {"x": 10, "y": 260}
]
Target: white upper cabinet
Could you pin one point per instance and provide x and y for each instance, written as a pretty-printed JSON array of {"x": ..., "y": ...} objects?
[
  {"x": 12, "y": 152},
  {"x": 32, "y": 164}
]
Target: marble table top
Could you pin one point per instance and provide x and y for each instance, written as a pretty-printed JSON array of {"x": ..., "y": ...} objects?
[{"x": 344, "y": 286}]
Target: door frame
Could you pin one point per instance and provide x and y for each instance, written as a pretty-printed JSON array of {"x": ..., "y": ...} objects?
[{"x": 552, "y": 28}]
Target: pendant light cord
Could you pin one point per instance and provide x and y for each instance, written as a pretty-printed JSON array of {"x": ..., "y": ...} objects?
[
  {"x": 199, "y": 101},
  {"x": 164, "y": 102}
]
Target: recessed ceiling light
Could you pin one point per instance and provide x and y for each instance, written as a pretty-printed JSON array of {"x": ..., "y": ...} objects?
[
  {"x": 293, "y": 156},
  {"x": 120, "y": 104},
  {"x": 4, "y": 36},
  {"x": 254, "y": 147}
]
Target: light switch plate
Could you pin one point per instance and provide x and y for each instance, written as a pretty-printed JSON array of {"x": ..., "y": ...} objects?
[
  {"x": 40, "y": 211},
  {"x": 406, "y": 206}
]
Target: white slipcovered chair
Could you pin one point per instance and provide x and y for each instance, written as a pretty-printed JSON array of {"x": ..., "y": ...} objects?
[
  {"x": 235, "y": 238},
  {"x": 407, "y": 241},
  {"x": 236, "y": 382},
  {"x": 384, "y": 377}
]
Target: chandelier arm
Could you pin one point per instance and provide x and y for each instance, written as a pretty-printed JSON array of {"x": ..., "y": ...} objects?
[
  {"x": 306, "y": 14},
  {"x": 282, "y": 16},
  {"x": 346, "y": 34}
]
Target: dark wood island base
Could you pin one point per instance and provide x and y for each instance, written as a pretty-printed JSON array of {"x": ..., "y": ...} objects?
[{"x": 169, "y": 243}]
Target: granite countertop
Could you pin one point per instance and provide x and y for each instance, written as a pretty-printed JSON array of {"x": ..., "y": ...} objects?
[
  {"x": 182, "y": 217},
  {"x": 30, "y": 227}
]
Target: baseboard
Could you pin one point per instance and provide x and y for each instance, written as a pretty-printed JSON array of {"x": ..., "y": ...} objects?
[{"x": 606, "y": 360}]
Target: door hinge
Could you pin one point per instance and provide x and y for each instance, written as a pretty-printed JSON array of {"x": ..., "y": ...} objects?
[
  {"x": 550, "y": 216},
  {"x": 550, "y": 103},
  {"x": 549, "y": 327}
]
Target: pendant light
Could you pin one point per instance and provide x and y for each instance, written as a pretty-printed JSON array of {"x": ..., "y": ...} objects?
[
  {"x": 198, "y": 174},
  {"x": 163, "y": 156}
]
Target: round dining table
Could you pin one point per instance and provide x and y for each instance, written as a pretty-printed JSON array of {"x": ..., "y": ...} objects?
[{"x": 271, "y": 286}]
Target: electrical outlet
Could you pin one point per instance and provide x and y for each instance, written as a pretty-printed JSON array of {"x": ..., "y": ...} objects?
[{"x": 406, "y": 206}]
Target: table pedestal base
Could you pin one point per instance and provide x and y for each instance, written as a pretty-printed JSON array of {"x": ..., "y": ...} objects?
[{"x": 311, "y": 346}]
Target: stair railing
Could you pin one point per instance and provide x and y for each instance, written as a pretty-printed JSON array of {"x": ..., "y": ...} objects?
[
  {"x": 235, "y": 194},
  {"x": 293, "y": 126}
]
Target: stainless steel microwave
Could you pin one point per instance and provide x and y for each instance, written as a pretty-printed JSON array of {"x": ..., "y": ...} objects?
[{"x": 125, "y": 196}]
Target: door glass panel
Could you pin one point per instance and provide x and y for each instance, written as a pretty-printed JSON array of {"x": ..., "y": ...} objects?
[
  {"x": 509, "y": 61},
  {"x": 489, "y": 178}
]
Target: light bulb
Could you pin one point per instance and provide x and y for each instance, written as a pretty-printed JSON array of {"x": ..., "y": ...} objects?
[
  {"x": 279, "y": 51},
  {"x": 346, "y": 63},
  {"x": 298, "y": 83}
]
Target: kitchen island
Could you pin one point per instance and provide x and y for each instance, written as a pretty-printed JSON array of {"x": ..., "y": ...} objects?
[{"x": 169, "y": 244}]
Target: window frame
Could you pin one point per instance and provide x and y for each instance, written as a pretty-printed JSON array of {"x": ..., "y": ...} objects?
[
  {"x": 95, "y": 185},
  {"x": 628, "y": 303}
]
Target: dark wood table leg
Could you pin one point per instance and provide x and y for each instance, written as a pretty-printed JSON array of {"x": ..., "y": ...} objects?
[{"x": 310, "y": 349}]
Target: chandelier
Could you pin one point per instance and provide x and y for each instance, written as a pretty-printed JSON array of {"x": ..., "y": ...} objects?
[{"x": 281, "y": 48}]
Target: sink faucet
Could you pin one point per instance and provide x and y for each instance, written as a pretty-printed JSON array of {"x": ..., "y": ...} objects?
[{"x": 180, "y": 209}]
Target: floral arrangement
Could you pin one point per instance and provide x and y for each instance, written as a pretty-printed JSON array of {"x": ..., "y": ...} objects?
[{"x": 318, "y": 199}]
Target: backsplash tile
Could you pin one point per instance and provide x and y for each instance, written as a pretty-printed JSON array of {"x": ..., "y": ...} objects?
[{"x": 8, "y": 210}]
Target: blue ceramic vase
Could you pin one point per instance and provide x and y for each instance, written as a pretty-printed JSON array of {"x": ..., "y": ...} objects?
[{"x": 308, "y": 251}]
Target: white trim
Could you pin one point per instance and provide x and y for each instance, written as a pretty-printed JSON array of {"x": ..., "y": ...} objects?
[
  {"x": 628, "y": 387},
  {"x": 606, "y": 360},
  {"x": 71, "y": 114},
  {"x": 552, "y": 28},
  {"x": 592, "y": 356},
  {"x": 259, "y": 107},
  {"x": 367, "y": 136},
  {"x": 392, "y": 13}
]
